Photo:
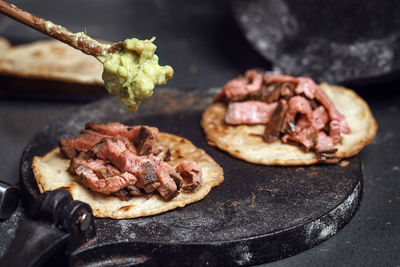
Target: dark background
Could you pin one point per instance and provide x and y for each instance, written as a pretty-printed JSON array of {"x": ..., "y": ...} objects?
[{"x": 203, "y": 43}]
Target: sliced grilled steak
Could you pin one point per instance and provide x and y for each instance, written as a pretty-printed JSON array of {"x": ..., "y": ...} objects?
[
  {"x": 305, "y": 115},
  {"x": 143, "y": 137},
  {"x": 272, "y": 92},
  {"x": 325, "y": 149},
  {"x": 238, "y": 89},
  {"x": 109, "y": 128},
  {"x": 168, "y": 188},
  {"x": 192, "y": 176},
  {"x": 249, "y": 112},
  {"x": 123, "y": 194},
  {"x": 176, "y": 176},
  {"x": 112, "y": 158},
  {"x": 114, "y": 150},
  {"x": 134, "y": 190},
  {"x": 324, "y": 144},
  {"x": 67, "y": 148},
  {"x": 146, "y": 140},
  {"x": 299, "y": 105},
  {"x": 110, "y": 179},
  {"x": 320, "y": 118},
  {"x": 268, "y": 93},
  {"x": 82, "y": 143},
  {"x": 274, "y": 128},
  {"x": 147, "y": 178}
]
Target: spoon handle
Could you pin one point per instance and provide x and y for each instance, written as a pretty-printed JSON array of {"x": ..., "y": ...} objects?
[{"x": 77, "y": 40}]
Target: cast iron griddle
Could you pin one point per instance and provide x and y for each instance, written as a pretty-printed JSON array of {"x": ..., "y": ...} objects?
[
  {"x": 332, "y": 40},
  {"x": 259, "y": 214}
]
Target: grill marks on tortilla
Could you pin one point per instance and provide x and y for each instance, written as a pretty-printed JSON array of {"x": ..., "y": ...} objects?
[
  {"x": 112, "y": 158},
  {"x": 293, "y": 109}
]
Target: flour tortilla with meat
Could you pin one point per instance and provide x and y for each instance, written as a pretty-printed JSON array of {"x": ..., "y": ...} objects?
[
  {"x": 246, "y": 142},
  {"x": 51, "y": 173}
]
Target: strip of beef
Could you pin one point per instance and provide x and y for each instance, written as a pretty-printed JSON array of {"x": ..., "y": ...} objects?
[
  {"x": 168, "y": 187},
  {"x": 139, "y": 139},
  {"x": 299, "y": 105},
  {"x": 108, "y": 128},
  {"x": 278, "y": 78},
  {"x": 238, "y": 88},
  {"x": 325, "y": 149},
  {"x": 100, "y": 176},
  {"x": 115, "y": 151},
  {"x": 114, "y": 129},
  {"x": 176, "y": 176},
  {"x": 304, "y": 115},
  {"x": 338, "y": 122},
  {"x": 320, "y": 118},
  {"x": 82, "y": 143},
  {"x": 275, "y": 126},
  {"x": 306, "y": 86},
  {"x": 192, "y": 176},
  {"x": 272, "y": 92},
  {"x": 128, "y": 192},
  {"x": 306, "y": 137},
  {"x": 143, "y": 137},
  {"x": 249, "y": 112},
  {"x": 305, "y": 134},
  {"x": 311, "y": 90},
  {"x": 148, "y": 178},
  {"x": 145, "y": 142}
]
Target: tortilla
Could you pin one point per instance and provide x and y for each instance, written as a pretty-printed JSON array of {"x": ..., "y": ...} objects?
[
  {"x": 246, "y": 142},
  {"x": 51, "y": 60},
  {"x": 51, "y": 173}
]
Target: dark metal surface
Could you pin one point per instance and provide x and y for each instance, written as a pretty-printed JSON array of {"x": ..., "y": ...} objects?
[
  {"x": 9, "y": 198},
  {"x": 332, "y": 41},
  {"x": 39, "y": 241},
  {"x": 259, "y": 214},
  {"x": 57, "y": 226}
]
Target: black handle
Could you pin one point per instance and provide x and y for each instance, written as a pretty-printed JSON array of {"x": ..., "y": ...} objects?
[
  {"x": 9, "y": 198},
  {"x": 35, "y": 242},
  {"x": 57, "y": 221}
]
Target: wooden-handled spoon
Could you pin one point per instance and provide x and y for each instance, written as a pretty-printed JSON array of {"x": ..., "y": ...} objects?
[{"x": 79, "y": 41}]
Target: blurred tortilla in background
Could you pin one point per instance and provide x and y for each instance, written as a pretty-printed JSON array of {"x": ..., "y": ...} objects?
[{"x": 48, "y": 66}]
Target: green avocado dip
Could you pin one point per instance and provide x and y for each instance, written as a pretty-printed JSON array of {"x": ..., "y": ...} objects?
[{"x": 132, "y": 72}]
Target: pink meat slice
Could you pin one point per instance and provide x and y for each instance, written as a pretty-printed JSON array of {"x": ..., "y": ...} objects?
[
  {"x": 109, "y": 128},
  {"x": 118, "y": 129},
  {"x": 191, "y": 174},
  {"x": 249, "y": 112},
  {"x": 311, "y": 90},
  {"x": 320, "y": 118},
  {"x": 299, "y": 104},
  {"x": 324, "y": 143},
  {"x": 241, "y": 86},
  {"x": 101, "y": 177},
  {"x": 334, "y": 114},
  {"x": 115, "y": 151},
  {"x": 82, "y": 143}
]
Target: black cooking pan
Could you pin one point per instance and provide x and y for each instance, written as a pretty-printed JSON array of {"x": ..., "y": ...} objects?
[
  {"x": 259, "y": 214},
  {"x": 334, "y": 41}
]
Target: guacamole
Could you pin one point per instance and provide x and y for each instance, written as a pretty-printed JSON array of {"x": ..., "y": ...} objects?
[{"x": 132, "y": 72}]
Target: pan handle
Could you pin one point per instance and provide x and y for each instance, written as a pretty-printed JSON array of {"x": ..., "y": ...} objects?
[
  {"x": 9, "y": 198},
  {"x": 58, "y": 224},
  {"x": 35, "y": 242}
]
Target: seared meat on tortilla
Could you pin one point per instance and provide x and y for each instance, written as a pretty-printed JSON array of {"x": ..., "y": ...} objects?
[
  {"x": 249, "y": 112},
  {"x": 192, "y": 173},
  {"x": 138, "y": 139},
  {"x": 302, "y": 115},
  {"x": 117, "y": 159},
  {"x": 297, "y": 122}
]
